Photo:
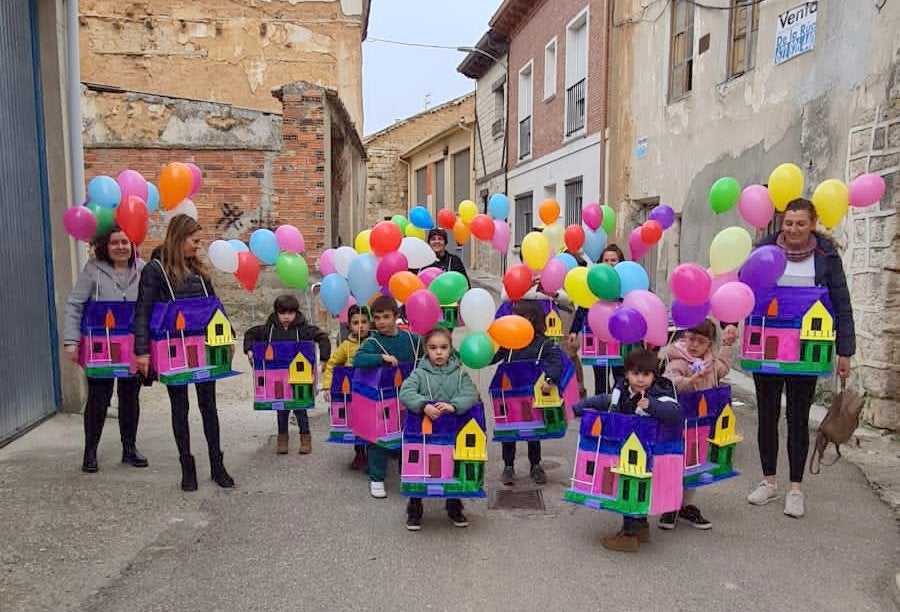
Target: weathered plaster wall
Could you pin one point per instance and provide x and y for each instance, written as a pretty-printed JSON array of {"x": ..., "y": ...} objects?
[{"x": 225, "y": 50}]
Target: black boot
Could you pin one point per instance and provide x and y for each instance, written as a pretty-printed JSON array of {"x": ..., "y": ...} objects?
[
  {"x": 89, "y": 464},
  {"x": 131, "y": 456},
  {"x": 188, "y": 474},
  {"x": 218, "y": 473}
]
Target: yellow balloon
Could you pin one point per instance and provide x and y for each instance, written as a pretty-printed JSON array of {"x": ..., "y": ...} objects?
[
  {"x": 554, "y": 235},
  {"x": 415, "y": 232},
  {"x": 361, "y": 244},
  {"x": 577, "y": 289},
  {"x": 535, "y": 251},
  {"x": 785, "y": 184},
  {"x": 831, "y": 199},
  {"x": 467, "y": 210},
  {"x": 729, "y": 249}
]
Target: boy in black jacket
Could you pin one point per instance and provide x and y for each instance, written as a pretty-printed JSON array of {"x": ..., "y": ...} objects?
[
  {"x": 644, "y": 393},
  {"x": 287, "y": 324},
  {"x": 546, "y": 351}
]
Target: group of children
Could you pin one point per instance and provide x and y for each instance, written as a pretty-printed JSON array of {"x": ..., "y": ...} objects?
[{"x": 439, "y": 384}]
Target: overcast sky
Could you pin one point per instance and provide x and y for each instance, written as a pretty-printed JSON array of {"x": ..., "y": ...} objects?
[{"x": 396, "y": 79}]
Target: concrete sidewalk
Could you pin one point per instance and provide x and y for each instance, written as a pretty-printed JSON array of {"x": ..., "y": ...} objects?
[{"x": 301, "y": 532}]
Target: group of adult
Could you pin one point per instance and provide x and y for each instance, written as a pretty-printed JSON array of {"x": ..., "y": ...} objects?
[{"x": 176, "y": 271}]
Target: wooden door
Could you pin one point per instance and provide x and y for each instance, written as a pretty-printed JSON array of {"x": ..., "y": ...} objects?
[
  {"x": 115, "y": 352},
  {"x": 526, "y": 411},
  {"x": 434, "y": 466},
  {"x": 193, "y": 362},
  {"x": 279, "y": 389},
  {"x": 771, "y": 348},
  {"x": 606, "y": 486}
]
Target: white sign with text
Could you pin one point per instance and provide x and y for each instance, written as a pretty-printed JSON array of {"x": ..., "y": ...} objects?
[{"x": 795, "y": 32}]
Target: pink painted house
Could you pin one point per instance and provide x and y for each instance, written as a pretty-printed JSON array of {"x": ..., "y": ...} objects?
[
  {"x": 377, "y": 415},
  {"x": 433, "y": 460}
]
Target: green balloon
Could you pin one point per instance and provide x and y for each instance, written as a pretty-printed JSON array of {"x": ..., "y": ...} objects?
[
  {"x": 724, "y": 194},
  {"x": 449, "y": 287},
  {"x": 106, "y": 217},
  {"x": 476, "y": 350},
  {"x": 292, "y": 270},
  {"x": 401, "y": 222},
  {"x": 604, "y": 282},
  {"x": 609, "y": 219}
]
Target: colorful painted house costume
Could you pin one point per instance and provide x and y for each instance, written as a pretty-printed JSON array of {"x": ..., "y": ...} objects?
[
  {"x": 284, "y": 375},
  {"x": 444, "y": 457},
  {"x": 377, "y": 414},
  {"x": 627, "y": 464},
  {"x": 790, "y": 331},
  {"x": 341, "y": 406},
  {"x": 522, "y": 411},
  {"x": 709, "y": 436},
  {"x": 190, "y": 341},
  {"x": 106, "y": 349}
]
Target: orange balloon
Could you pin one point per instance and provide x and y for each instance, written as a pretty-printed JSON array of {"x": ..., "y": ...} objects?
[
  {"x": 549, "y": 211},
  {"x": 403, "y": 284},
  {"x": 512, "y": 332},
  {"x": 461, "y": 231},
  {"x": 175, "y": 183}
]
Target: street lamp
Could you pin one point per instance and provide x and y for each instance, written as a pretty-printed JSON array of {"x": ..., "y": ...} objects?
[{"x": 484, "y": 53}]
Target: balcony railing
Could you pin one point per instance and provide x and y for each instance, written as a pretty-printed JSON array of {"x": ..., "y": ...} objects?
[
  {"x": 575, "y": 108},
  {"x": 525, "y": 137}
]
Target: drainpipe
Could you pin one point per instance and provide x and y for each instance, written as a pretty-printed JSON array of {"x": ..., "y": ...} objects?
[{"x": 73, "y": 89}]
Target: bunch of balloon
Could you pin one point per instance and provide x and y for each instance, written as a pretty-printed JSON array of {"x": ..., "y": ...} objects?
[
  {"x": 598, "y": 222},
  {"x": 661, "y": 218},
  {"x": 490, "y": 227},
  {"x": 282, "y": 248}
]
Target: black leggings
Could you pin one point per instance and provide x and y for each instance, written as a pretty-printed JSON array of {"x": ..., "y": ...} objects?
[
  {"x": 100, "y": 392},
  {"x": 302, "y": 420},
  {"x": 800, "y": 391},
  {"x": 206, "y": 400},
  {"x": 509, "y": 452}
]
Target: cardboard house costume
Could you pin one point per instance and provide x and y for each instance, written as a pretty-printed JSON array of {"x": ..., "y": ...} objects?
[
  {"x": 284, "y": 375},
  {"x": 377, "y": 415},
  {"x": 341, "y": 406},
  {"x": 709, "y": 436},
  {"x": 106, "y": 349}
]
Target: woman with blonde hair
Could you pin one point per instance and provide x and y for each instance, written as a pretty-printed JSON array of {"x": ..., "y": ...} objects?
[{"x": 177, "y": 273}]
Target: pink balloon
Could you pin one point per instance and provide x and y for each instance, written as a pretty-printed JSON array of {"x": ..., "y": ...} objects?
[
  {"x": 423, "y": 311},
  {"x": 326, "y": 262},
  {"x": 732, "y": 302},
  {"x": 553, "y": 276},
  {"x": 198, "y": 178},
  {"x": 654, "y": 312},
  {"x": 598, "y": 319},
  {"x": 393, "y": 262},
  {"x": 500, "y": 240},
  {"x": 80, "y": 223},
  {"x": 866, "y": 189},
  {"x": 342, "y": 317},
  {"x": 592, "y": 216},
  {"x": 636, "y": 246},
  {"x": 289, "y": 239},
  {"x": 690, "y": 284},
  {"x": 755, "y": 206},
  {"x": 131, "y": 183},
  {"x": 429, "y": 274},
  {"x": 721, "y": 279}
]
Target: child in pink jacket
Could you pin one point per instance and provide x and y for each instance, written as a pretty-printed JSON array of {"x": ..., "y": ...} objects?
[{"x": 694, "y": 365}]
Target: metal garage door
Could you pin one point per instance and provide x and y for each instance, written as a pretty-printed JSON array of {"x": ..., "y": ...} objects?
[{"x": 29, "y": 387}]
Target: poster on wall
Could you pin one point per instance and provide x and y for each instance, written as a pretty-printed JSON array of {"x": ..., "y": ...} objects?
[{"x": 795, "y": 32}]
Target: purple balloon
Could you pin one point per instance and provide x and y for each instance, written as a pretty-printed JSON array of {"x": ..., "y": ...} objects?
[
  {"x": 763, "y": 267},
  {"x": 627, "y": 325},
  {"x": 686, "y": 317},
  {"x": 664, "y": 215}
]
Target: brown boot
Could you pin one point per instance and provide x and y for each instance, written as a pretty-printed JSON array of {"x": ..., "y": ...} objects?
[
  {"x": 282, "y": 448},
  {"x": 621, "y": 542},
  {"x": 643, "y": 533},
  {"x": 305, "y": 444}
]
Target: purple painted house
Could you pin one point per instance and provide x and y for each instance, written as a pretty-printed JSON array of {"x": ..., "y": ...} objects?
[{"x": 284, "y": 375}]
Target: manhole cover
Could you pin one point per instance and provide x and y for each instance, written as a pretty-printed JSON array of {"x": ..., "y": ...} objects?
[{"x": 525, "y": 499}]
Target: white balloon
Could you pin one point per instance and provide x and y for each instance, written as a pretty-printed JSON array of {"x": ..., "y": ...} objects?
[
  {"x": 477, "y": 309},
  {"x": 185, "y": 207},
  {"x": 223, "y": 256},
  {"x": 342, "y": 258},
  {"x": 417, "y": 252}
]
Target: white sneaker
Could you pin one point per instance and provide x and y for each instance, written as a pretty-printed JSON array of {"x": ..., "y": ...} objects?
[
  {"x": 762, "y": 494},
  {"x": 794, "y": 504},
  {"x": 376, "y": 489}
]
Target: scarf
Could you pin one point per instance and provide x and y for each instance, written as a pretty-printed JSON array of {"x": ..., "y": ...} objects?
[{"x": 795, "y": 254}]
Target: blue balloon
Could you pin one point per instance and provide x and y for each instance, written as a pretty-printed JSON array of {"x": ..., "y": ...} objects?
[
  {"x": 334, "y": 293},
  {"x": 152, "y": 197},
  {"x": 104, "y": 191},
  {"x": 362, "y": 278},
  {"x": 594, "y": 243},
  {"x": 238, "y": 245},
  {"x": 498, "y": 206},
  {"x": 264, "y": 245},
  {"x": 632, "y": 277},
  {"x": 570, "y": 262},
  {"x": 421, "y": 218}
]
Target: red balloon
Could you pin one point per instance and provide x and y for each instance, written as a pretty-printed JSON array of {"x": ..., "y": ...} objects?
[
  {"x": 482, "y": 227},
  {"x": 385, "y": 238},
  {"x": 651, "y": 232},
  {"x": 133, "y": 218},
  {"x": 574, "y": 238},
  {"x": 446, "y": 218},
  {"x": 248, "y": 270},
  {"x": 517, "y": 281}
]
